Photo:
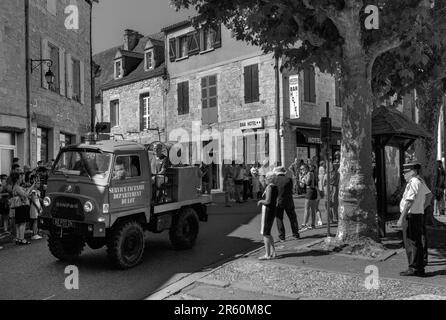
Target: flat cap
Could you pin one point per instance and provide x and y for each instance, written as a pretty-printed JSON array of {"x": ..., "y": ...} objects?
[{"x": 411, "y": 166}]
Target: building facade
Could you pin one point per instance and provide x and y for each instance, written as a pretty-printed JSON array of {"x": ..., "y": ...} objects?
[
  {"x": 131, "y": 87},
  {"x": 59, "y": 111}
]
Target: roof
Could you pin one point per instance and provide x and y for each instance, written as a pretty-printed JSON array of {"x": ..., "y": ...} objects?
[
  {"x": 389, "y": 121},
  {"x": 104, "y": 59},
  {"x": 109, "y": 146},
  {"x": 178, "y": 25}
]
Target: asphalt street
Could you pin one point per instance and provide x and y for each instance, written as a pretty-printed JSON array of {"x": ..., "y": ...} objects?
[{"x": 31, "y": 272}]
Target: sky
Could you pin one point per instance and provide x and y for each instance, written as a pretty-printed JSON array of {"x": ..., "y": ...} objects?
[{"x": 112, "y": 17}]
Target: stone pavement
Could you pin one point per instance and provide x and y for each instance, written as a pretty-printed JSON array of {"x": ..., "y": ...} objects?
[{"x": 303, "y": 273}]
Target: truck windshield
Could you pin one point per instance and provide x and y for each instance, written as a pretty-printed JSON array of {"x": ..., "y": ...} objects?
[{"x": 83, "y": 163}]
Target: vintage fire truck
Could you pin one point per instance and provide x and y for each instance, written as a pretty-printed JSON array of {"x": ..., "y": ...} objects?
[{"x": 107, "y": 193}]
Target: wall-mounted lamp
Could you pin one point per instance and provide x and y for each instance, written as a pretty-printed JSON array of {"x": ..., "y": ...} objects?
[{"x": 49, "y": 75}]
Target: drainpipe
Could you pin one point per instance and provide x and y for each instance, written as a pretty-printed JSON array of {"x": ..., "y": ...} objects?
[
  {"x": 28, "y": 83},
  {"x": 92, "y": 84},
  {"x": 278, "y": 138}
]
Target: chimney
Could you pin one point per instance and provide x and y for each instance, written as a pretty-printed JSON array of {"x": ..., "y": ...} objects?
[{"x": 131, "y": 39}]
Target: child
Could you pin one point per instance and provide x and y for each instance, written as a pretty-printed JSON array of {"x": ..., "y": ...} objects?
[{"x": 34, "y": 211}]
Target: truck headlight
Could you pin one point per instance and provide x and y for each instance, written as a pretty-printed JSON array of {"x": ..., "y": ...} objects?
[
  {"x": 47, "y": 201},
  {"x": 88, "y": 207}
]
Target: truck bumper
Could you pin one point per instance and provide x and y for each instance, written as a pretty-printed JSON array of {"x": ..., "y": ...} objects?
[{"x": 86, "y": 229}]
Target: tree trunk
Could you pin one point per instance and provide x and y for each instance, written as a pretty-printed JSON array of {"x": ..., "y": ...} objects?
[{"x": 430, "y": 101}]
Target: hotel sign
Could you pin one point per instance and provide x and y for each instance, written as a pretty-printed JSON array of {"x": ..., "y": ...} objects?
[
  {"x": 256, "y": 123},
  {"x": 294, "y": 97}
]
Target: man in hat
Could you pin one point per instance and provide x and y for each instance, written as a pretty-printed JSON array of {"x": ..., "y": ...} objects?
[
  {"x": 285, "y": 203},
  {"x": 416, "y": 198}
]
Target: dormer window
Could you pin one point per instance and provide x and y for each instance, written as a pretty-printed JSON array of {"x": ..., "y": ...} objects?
[
  {"x": 118, "y": 69},
  {"x": 149, "y": 60}
]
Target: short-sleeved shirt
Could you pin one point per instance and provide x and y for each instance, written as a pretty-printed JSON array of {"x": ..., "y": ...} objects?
[{"x": 416, "y": 190}]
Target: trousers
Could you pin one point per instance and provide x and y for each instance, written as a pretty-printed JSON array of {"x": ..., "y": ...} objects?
[
  {"x": 291, "y": 213},
  {"x": 415, "y": 241}
]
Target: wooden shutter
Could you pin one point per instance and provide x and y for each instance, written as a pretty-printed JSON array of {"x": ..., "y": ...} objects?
[
  {"x": 255, "y": 83},
  {"x": 248, "y": 81},
  {"x": 62, "y": 71},
  {"x": 186, "y": 97},
  {"x": 180, "y": 97},
  {"x": 113, "y": 113},
  {"x": 193, "y": 43},
  {"x": 172, "y": 49},
  {"x": 312, "y": 81},
  {"x": 45, "y": 55},
  {"x": 69, "y": 62},
  {"x": 217, "y": 39},
  {"x": 141, "y": 113},
  {"x": 337, "y": 94},
  {"x": 82, "y": 81}
]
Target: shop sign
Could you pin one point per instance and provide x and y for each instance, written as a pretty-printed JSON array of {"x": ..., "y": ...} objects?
[
  {"x": 294, "y": 97},
  {"x": 256, "y": 123}
]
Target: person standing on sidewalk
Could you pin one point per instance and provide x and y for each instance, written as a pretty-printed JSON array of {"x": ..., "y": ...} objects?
[
  {"x": 268, "y": 215},
  {"x": 238, "y": 181},
  {"x": 416, "y": 198},
  {"x": 228, "y": 182},
  {"x": 309, "y": 182},
  {"x": 285, "y": 203},
  {"x": 255, "y": 182},
  {"x": 439, "y": 189},
  {"x": 294, "y": 169}
]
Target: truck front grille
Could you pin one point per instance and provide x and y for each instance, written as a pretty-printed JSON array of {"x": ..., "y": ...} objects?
[{"x": 67, "y": 208}]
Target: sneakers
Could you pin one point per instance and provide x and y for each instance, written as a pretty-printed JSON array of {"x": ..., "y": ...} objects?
[
  {"x": 304, "y": 228},
  {"x": 36, "y": 237},
  {"x": 319, "y": 223}
]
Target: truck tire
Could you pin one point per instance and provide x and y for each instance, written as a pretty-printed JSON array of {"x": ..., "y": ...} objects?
[
  {"x": 125, "y": 247},
  {"x": 66, "y": 249},
  {"x": 184, "y": 230}
]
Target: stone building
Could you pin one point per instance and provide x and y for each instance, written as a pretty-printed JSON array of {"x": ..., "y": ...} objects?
[
  {"x": 59, "y": 30},
  {"x": 130, "y": 86},
  {"x": 217, "y": 83}
]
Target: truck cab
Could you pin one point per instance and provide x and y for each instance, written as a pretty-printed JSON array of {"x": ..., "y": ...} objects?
[{"x": 105, "y": 194}]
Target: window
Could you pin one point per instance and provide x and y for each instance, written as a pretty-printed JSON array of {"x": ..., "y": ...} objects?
[
  {"x": 51, "y": 6},
  {"x": 7, "y": 151},
  {"x": 114, "y": 113},
  {"x": 209, "y": 99},
  {"x": 149, "y": 60},
  {"x": 42, "y": 144},
  {"x": 144, "y": 123},
  {"x": 182, "y": 47},
  {"x": 252, "y": 83},
  {"x": 309, "y": 85},
  {"x": 126, "y": 167},
  {"x": 337, "y": 93},
  {"x": 183, "y": 97},
  {"x": 76, "y": 80},
  {"x": 55, "y": 67},
  {"x": 65, "y": 140},
  {"x": 211, "y": 38},
  {"x": 193, "y": 43},
  {"x": 118, "y": 69}
]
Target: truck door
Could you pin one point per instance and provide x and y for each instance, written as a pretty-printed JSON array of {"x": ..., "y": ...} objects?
[{"x": 129, "y": 184}]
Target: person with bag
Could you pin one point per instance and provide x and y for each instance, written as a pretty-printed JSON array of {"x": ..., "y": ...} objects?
[
  {"x": 20, "y": 203},
  {"x": 35, "y": 209},
  {"x": 308, "y": 181}
]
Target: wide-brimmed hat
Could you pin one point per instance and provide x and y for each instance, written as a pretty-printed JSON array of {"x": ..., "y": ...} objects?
[
  {"x": 411, "y": 166},
  {"x": 279, "y": 170}
]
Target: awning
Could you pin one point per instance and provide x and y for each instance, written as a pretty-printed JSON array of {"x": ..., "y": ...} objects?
[
  {"x": 314, "y": 136},
  {"x": 12, "y": 129}
]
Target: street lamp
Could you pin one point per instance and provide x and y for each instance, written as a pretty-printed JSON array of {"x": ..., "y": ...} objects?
[{"x": 49, "y": 75}]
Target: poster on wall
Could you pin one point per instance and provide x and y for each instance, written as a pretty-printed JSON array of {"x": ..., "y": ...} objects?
[
  {"x": 302, "y": 153},
  {"x": 294, "y": 97}
]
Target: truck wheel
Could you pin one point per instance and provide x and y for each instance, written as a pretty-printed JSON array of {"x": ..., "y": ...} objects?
[
  {"x": 184, "y": 230},
  {"x": 65, "y": 249},
  {"x": 125, "y": 246}
]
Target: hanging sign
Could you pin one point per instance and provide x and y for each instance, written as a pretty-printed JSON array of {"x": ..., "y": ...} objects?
[{"x": 294, "y": 97}]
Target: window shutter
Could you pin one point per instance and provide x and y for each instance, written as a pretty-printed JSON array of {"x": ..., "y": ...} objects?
[
  {"x": 69, "y": 62},
  {"x": 193, "y": 43},
  {"x": 82, "y": 81},
  {"x": 255, "y": 83},
  {"x": 312, "y": 85},
  {"x": 217, "y": 40},
  {"x": 45, "y": 55},
  {"x": 141, "y": 113},
  {"x": 180, "y": 97},
  {"x": 62, "y": 71},
  {"x": 186, "y": 97},
  {"x": 172, "y": 49},
  {"x": 112, "y": 113},
  {"x": 248, "y": 81}
]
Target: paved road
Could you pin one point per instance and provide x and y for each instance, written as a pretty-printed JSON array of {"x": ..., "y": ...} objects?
[{"x": 30, "y": 272}]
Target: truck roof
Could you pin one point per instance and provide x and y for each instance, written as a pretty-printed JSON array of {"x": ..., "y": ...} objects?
[{"x": 109, "y": 146}]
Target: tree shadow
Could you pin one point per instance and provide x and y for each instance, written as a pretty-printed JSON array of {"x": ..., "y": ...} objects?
[{"x": 310, "y": 253}]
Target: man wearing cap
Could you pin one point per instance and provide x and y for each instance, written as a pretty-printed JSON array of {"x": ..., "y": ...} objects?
[
  {"x": 416, "y": 198},
  {"x": 285, "y": 203}
]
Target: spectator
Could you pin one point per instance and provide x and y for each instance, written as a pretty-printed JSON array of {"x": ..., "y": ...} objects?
[
  {"x": 246, "y": 179},
  {"x": 228, "y": 182},
  {"x": 268, "y": 215},
  {"x": 294, "y": 169},
  {"x": 309, "y": 182},
  {"x": 238, "y": 181},
  {"x": 4, "y": 207},
  {"x": 315, "y": 172},
  {"x": 35, "y": 209},
  {"x": 204, "y": 169},
  {"x": 439, "y": 189},
  {"x": 333, "y": 180},
  {"x": 255, "y": 182},
  {"x": 16, "y": 161},
  {"x": 20, "y": 201},
  {"x": 262, "y": 174}
]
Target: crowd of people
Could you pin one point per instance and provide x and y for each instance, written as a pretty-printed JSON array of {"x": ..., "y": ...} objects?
[{"x": 21, "y": 194}]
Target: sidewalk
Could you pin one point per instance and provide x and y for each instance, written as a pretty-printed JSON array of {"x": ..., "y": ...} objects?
[{"x": 304, "y": 273}]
